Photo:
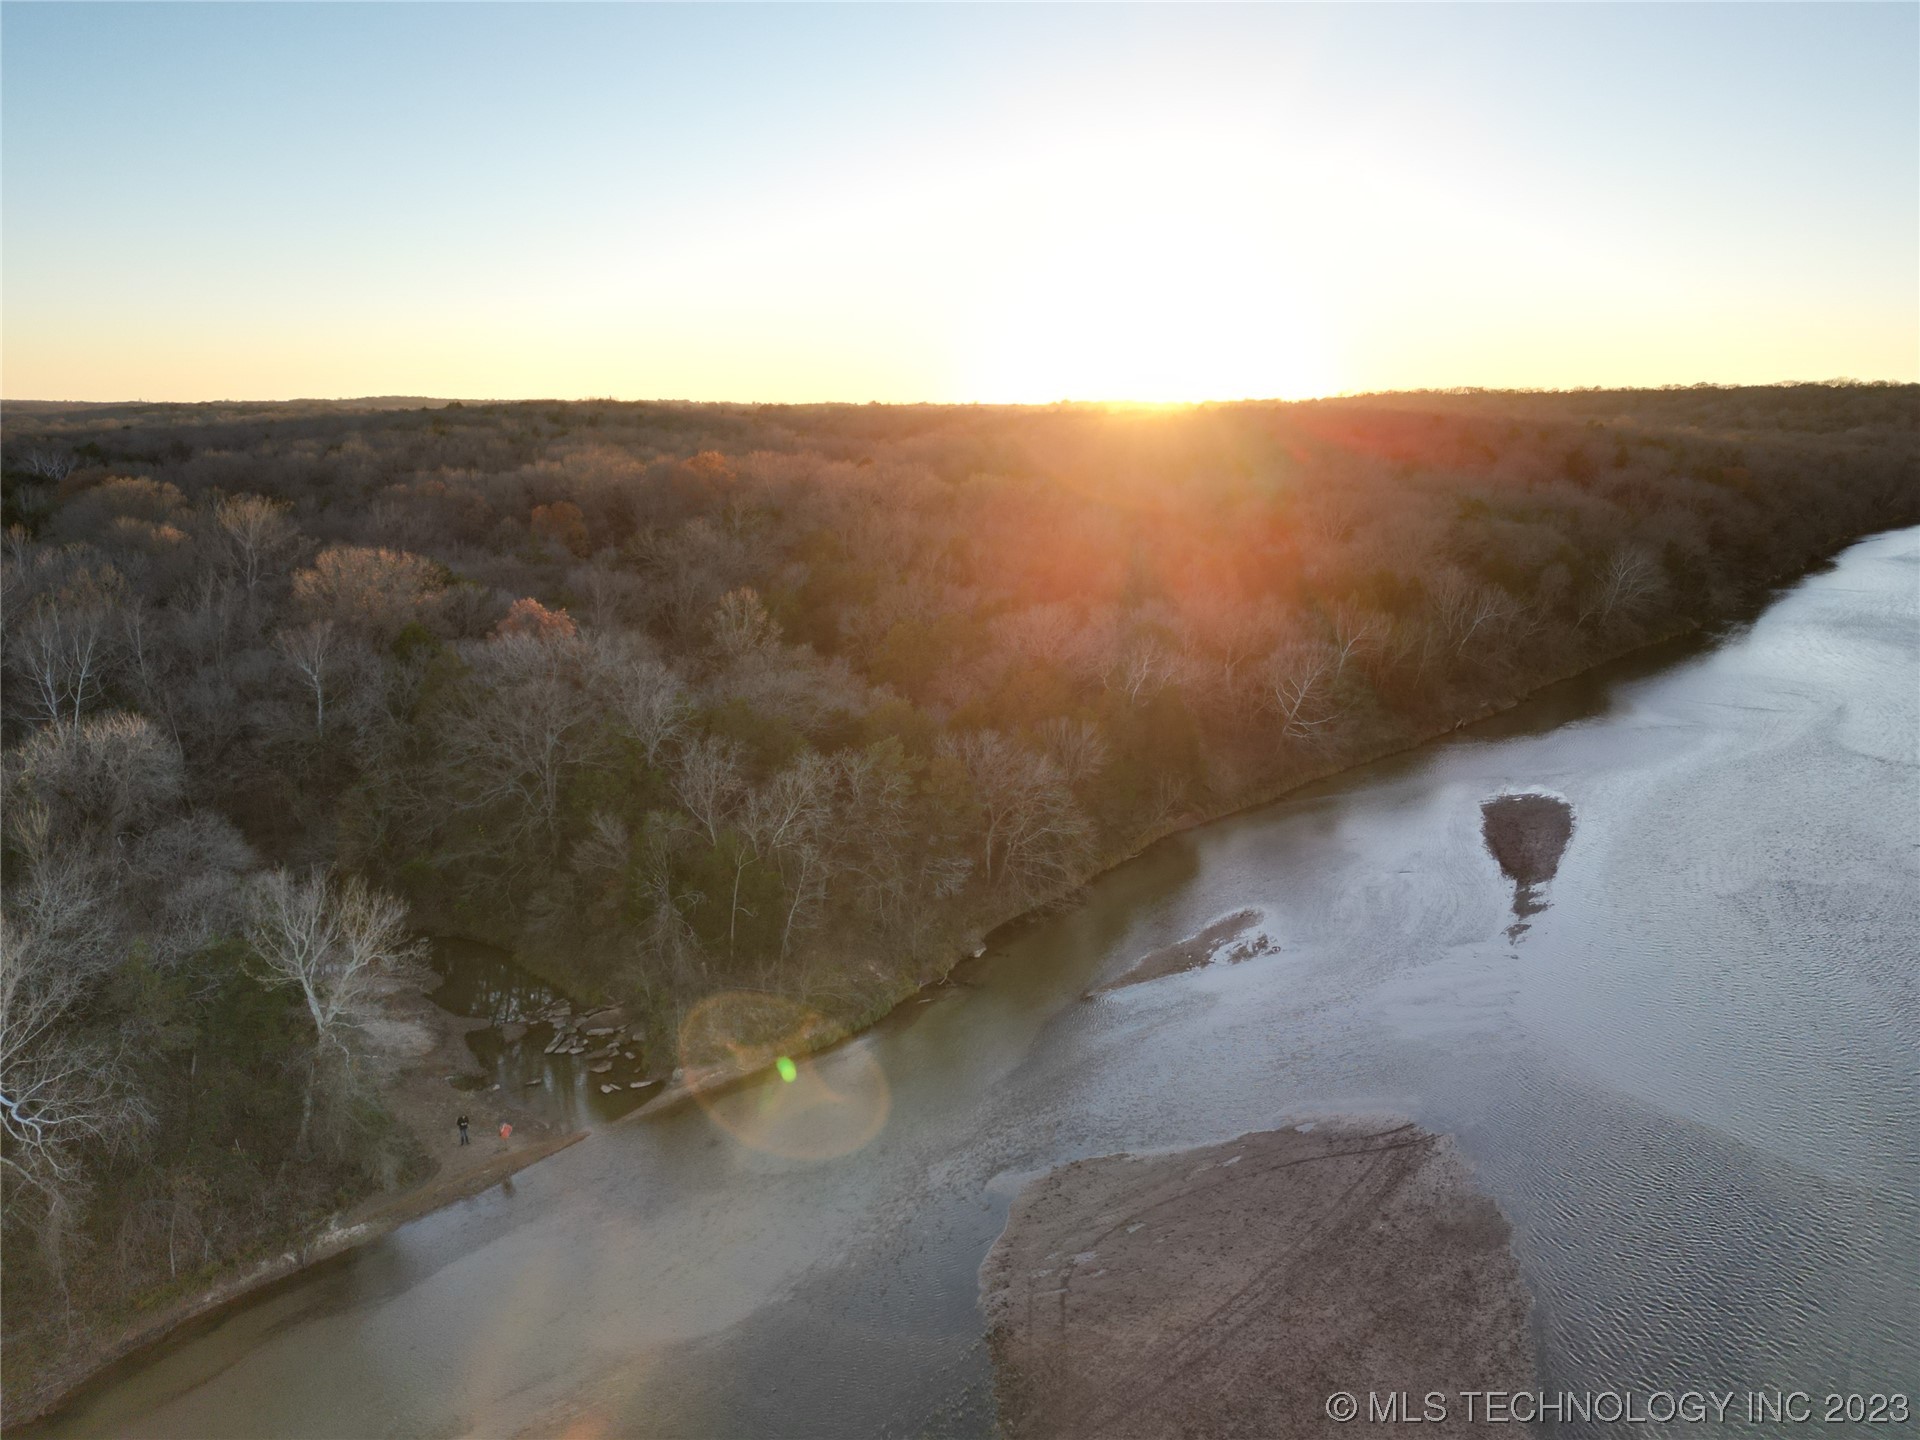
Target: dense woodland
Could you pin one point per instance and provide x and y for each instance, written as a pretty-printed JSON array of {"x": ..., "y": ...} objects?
[{"x": 692, "y": 698}]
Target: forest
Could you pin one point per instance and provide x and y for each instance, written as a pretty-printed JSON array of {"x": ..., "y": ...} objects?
[{"x": 685, "y": 699}]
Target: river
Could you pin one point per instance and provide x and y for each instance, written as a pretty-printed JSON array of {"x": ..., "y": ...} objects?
[{"x": 1691, "y": 1079}]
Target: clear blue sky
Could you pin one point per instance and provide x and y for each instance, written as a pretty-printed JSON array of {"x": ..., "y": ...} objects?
[{"x": 900, "y": 203}]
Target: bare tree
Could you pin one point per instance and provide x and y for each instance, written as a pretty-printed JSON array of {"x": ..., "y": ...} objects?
[
  {"x": 144, "y": 662},
  {"x": 740, "y": 627},
  {"x": 331, "y": 941},
  {"x": 1033, "y": 832},
  {"x": 1217, "y": 637},
  {"x": 254, "y": 532},
  {"x": 1357, "y": 634},
  {"x": 1142, "y": 667},
  {"x": 1299, "y": 685},
  {"x": 791, "y": 806},
  {"x": 806, "y": 877},
  {"x": 1058, "y": 634},
  {"x": 606, "y": 852},
  {"x": 47, "y": 464},
  {"x": 786, "y": 822},
  {"x": 1465, "y": 611},
  {"x": 645, "y": 695},
  {"x": 323, "y": 939},
  {"x": 101, "y": 779},
  {"x": 690, "y": 567},
  {"x": 64, "y": 648},
  {"x": 873, "y": 793},
  {"x": 309, "y": 651},
  {"x": 59, "y": 1092},
  {"x": 207, "y": 624},
  {"x": 512, "y": 731},
  {"x": 610, "y": 598},
  {"x": 708, "y": 781},
  {"x": 183, "y": 880},
  {"x": 63, "y": 1094},
  {"x": 665, "y": 932},
  {"x": 1625, "y": 586},
  {"x": 1076, "y": 746}
]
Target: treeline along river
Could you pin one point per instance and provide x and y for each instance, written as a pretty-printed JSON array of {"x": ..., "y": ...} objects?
[{"x": 1687, "y": 1073}]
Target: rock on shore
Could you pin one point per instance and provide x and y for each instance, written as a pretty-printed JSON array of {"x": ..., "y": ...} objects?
[{"x": 1231, "y": 1290}]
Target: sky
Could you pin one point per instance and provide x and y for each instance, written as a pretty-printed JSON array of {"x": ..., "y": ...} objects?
[{"x": 951, "y": 203}]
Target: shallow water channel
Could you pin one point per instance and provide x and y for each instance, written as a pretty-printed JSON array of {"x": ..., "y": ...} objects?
[{"x": 1691, "y": 1078}]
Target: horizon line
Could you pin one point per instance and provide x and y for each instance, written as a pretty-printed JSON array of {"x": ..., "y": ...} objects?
[{"x": 1064, "y": 402}]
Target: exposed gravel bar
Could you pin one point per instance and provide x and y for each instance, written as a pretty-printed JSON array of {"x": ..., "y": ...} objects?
[{"x": 1231, "y": 1290}]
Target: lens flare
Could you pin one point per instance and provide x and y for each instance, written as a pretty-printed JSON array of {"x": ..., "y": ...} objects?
[{"x": 817, "y": 1107}]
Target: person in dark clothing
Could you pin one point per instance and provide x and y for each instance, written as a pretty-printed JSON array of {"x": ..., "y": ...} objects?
[{"x": 463, "y": 1130}]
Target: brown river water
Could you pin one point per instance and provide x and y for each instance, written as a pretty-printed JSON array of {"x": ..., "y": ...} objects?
[{"x": 1689, "y": 1072}]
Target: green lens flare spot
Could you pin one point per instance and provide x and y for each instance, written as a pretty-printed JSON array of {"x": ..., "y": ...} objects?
[{"x": 788, "y": 1070}]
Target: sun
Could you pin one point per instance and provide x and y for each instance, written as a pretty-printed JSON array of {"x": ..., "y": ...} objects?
[
  {"x": 1139, "y": 354},
  {"x": 1152, "y": 348},
  {"x": 1108, "y": 293}
]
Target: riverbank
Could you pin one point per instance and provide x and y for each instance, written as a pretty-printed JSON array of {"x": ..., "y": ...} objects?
[
  {"x": 822, "y": 1032},
  {"x": 419, "y": 1051},
  {"x": 1232, "y": 1289},
  {"x": 689, "y": 1083}
]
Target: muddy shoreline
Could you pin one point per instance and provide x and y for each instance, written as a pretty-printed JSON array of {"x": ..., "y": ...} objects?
[
  {"x": 1232, "y": 1289},
  {"x": 421, "y": 1048}
]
